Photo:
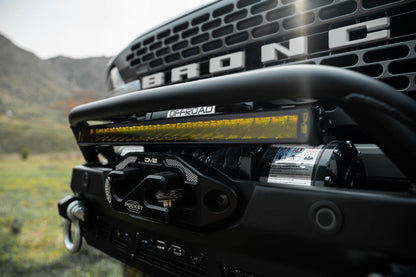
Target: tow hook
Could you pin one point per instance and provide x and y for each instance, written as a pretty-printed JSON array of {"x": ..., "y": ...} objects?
[{"x": 73, "y": 210}]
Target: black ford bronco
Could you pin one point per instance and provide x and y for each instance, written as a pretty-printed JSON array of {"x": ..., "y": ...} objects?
[{"x": 255, "y": 138}]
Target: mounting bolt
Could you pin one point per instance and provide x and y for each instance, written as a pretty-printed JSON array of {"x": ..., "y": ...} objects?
[
  {"x": 223, "y": 201},
  {"x": 85, "y": 180},
  {"x": 349, "y": 143}
]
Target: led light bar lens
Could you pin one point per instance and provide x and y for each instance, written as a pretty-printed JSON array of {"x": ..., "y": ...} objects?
[{"x": 240, "y": 128}]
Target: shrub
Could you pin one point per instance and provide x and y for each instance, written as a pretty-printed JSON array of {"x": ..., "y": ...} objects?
[{"x": 24, "y": 153}]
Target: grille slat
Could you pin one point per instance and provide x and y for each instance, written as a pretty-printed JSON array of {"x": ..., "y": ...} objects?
[
  {"x": 399, "y": 82},
  {"x": 171, "y": 39},
  {"x": 281, "y": 13},
  {"x": 223, "y": 10},
  {"x": 222, "y": 31},
  {"x": 211, "y": 25},
  {"x": 130, "y": 56},
  {"x": 141, "y": 51},
  {"x": 235, "y": 16},
  {"x": 190, "y": 52},
  {"x": 250, "y": 22},
  {"x": 298, "y": 21},
  {"x": 148, "y": 41},
  {"x": 229, "y": 26},
  {"x": 338, "y": 10},
  {"x": 388, "y": 53},
  {"x": 135, "y": 62},
  {"x": 241, "y": 37},
  {"x": 402, "y": 66},
  {"x": 179, "y": 45},
  {"x": 148, "y": 57},
  {"x": 104, "y": 230},
  {"x": 368, "y": 4},
  {"x": 370, "y": 70},
  {"x": 245, "y": 3},
  {"x": 172, "y": 265},
  {"x": 342, "y": 61},
  {"x": 172, "y": 58},
  {"x": 163, "y": 34},
  {"x": 120, "y": 239},
  {"x": 310, "y": 5},
  {"x": 267, "y": 5},
  {"x": 162, "y": 52},
  {"x": 135, "y": 46},
  {"x": 155, "y": 45},
  {"x": 200, "y": 19},
  {"x": 156, "y": 63},
  {"x": 180, "y": 27},
  {"x": 199, "y": 39},
  {"x": 265, "y": 30},
  {"x": 212, "y": 45},
  {"x": 190, "y": 32}
]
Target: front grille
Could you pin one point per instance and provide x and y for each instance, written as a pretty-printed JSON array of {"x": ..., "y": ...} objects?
[
  {"x": 119, "y": 238},
  {"x": 172, "y": 265},
  {"x": 104, "y": 230},
  {"x": 230, "y": 26}
]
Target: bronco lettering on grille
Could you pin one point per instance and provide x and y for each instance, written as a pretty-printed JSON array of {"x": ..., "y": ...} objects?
[{"x": 337, "y": 38}]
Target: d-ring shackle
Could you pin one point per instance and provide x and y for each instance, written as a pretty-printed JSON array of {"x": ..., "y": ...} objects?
[{"x": 75, "y": 213}]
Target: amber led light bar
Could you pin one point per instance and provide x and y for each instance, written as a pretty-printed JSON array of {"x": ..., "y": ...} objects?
[{"x": 280, "y": 126}]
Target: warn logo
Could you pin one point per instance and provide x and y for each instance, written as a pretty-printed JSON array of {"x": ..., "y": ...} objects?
[{"x": 337, "y": 38}]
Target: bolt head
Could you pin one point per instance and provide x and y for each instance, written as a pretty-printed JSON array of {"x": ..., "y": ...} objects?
[
  {"x": 328, "y": 179},
  {"x": 223, "y": 201},
  {"x": 85, "y": 180}
]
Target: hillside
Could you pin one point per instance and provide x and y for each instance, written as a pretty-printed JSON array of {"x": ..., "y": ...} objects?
[
  {"x": 86, "y": 73},
  {"x": 24, "y": 76},
  {"x": 36, "y": 96}
]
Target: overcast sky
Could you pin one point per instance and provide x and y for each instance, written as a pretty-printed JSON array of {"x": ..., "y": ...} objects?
[{"x": 84, "y": 28}]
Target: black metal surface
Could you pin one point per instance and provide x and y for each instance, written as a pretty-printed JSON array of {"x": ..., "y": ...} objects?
[
  {"x": 277, "y": 230},
  {"x": 300, "y": 81},
  {"x": 273, "y": 234},
  {"x": 137, "y": 179},
  {"x": 275, "y": 223},
  {"x": 219, "y": 130},
  {"x": 355, "y": 93},
  {"x": 230, "y": 26}
]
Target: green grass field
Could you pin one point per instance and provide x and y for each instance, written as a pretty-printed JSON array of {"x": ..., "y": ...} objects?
[
  {"x": 31, "y": 241},
  {"x": 38, "y": 135}
]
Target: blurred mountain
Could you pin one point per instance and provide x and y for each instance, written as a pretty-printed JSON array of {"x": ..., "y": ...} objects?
[
  {"x": 24, "y": 77},
  {"x": 36, "y": 92},
  {"x": 82, "y": 74}
]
